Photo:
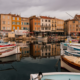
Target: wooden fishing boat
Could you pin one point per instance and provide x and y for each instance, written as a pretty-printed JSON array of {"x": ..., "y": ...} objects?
[{"x": 71, "y": 63}]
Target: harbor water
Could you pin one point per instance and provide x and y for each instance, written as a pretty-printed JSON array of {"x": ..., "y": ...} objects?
[{"x": 35, "y": 57}]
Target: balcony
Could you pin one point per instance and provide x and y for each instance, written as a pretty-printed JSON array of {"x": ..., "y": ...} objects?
[{"x": 45, "y": 25}]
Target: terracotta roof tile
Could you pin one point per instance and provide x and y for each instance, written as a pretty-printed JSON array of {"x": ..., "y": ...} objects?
[{"x": 45, "y": 17}]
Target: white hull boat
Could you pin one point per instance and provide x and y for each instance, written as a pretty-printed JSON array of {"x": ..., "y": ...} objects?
[
  {"x": 55, "y": 76},
  {"x": 8, "y": 52}
]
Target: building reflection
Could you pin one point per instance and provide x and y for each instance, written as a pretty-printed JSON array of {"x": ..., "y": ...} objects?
[
  {"x": 25, "y": 51},
  {"x": 44, "y": 50}
]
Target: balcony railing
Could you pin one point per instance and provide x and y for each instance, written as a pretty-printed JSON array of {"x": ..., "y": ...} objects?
[{"x": 45, "y": 25}]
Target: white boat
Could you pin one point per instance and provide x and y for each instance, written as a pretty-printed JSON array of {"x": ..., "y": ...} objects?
[
  {"x": 8, "y": 52},
  {"x": 55, "y": 76},
  {"x": 73, "y": 53}
]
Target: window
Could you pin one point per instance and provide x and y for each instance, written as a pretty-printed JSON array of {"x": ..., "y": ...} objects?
[
  {"x": 45, "y": 20},
  {"x": 73, "y": 21},
  {"x": 46, "y": 28},
  {"x": 48, "y": 20},
  {"x": 46, "y": 24},
  {"x": 42, "y": 20},
  {"x": 17, "y": 18},
  {"x": 79, "y": 25},
  {"x": 3, "y": 28},
  {"x": 76, "y": 29},
  {"x": 13, "y": 18},
  {"x": 38, "y": 23},
  {"x": 25, "y": 51},
  {"x": 8, "y": 22},
  {"x": 17, "y": 28},
  {"x": 46, "y": 54},
  {"x": 8, "y": 17},
  {"x": 35, "y": 51},
  {"x": 3, "y": 17},
  {"x": 35, "y": 28},
  {"x": 21, "y": 23},
  {"x": 52, "y": 25},
  {"x": 42, "y": 24},
  {"x": 13, "y": 22},
  {"x": 23, "y": 28},
  {"x": 3, "y": 22},
  {"x": 13, "y": 28},
  {"x": 42, "y": 28},
  {"x": 35, "y": 23},
  {"x": 18, "y": 23},
  {"x": 38, "y": 28},
  {"x": 35, "y": 46},
  {"x": 49, "y": 24},
  {"x": 25, "y": 23},
  {"x": 76, "y": 25}
]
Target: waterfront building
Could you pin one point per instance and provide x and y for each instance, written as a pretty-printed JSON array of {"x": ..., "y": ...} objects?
[
  {"x": 45, "y": 23},
  {"x": 57, "y": 26},
  {"x": 5, "y": 22},
  {"x": 25, "y": 24},
  {"x": 35, "y": 25},
  {"x": 72, "y": 26},
  {"x": 16, "y": 22}
]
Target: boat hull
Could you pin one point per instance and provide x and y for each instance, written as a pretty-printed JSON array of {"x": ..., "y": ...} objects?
[
  {"x": 70, "y": 67},
  {"x": 8, "y": 53}
]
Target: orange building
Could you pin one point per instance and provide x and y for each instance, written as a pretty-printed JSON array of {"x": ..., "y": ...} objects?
[
  {"x": 35, "y": 25},
  {"x": 16, "y": 22}
]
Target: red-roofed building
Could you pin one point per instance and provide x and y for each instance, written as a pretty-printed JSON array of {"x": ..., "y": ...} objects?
[{"x": 45, "y": 23}]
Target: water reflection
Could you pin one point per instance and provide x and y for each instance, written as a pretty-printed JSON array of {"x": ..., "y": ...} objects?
[{"x": 34, "y": 57}]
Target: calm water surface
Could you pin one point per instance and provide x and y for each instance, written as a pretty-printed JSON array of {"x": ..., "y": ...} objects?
[{"x": 34, "y": 57}]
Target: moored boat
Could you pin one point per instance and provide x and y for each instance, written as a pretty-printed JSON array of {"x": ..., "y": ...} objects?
[
  {"x": 55, "y": 76},
  {"x": 8, "y": 52},
  {"x": 71, "y": 63}
]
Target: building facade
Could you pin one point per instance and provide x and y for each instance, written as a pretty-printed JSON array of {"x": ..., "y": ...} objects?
[
  {"x": 25, "y": 24},
  {"x": 57, "y": 26},
  {"x": 5, "y": 22},
  {"x": 35, "y": 25},
  {"x": 45, "y": 23},
  {"x": 16, "y": 22},
  {"x": 72, "y": 27}
]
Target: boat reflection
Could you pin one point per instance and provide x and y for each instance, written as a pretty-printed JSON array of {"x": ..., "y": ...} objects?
[{"x": 35, "y": 49}]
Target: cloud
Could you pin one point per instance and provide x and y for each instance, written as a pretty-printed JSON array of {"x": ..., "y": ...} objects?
[{"x": 39, "y": 7}]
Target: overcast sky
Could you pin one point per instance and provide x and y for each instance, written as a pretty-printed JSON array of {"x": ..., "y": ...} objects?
[{"x": 52, "y": 8}]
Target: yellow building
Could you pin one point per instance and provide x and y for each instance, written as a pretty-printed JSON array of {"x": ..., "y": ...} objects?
[{"x": 16, "y": 22}]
